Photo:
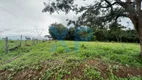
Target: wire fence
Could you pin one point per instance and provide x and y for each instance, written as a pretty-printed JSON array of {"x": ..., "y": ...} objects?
[{"x": 7, "y": 45}]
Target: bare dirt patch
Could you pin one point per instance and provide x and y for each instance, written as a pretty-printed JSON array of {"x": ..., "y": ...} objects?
[
  {"x": 77, "y": 72},
  {"x": 125, "y": 72},
  {"x": 122, "y": 72}
]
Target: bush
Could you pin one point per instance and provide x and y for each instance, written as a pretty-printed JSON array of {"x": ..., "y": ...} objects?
[
  {"x": 60, "y": 50},
  {"x": 94, "y": 38}
]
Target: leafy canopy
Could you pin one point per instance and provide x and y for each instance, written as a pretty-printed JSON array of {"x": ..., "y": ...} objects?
[{"x": 100, "y": 13}]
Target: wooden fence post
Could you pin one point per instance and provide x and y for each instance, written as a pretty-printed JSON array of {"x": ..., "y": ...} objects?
[
  {"x": 33, "y": 41},
  {"x": 6, "y": 45},
  {"x": 21, "y": 41}
]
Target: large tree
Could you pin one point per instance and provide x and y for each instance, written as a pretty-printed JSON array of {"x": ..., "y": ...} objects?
[
  {"x": 58, "y": 31},
  {"x": 102, "y": 12}
]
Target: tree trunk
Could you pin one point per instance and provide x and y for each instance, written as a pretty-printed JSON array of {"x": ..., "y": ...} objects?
[
  {"x": 117, "y": 39},
  {"x": 140, "y": 39},
  {"x": 140, "y": 36},
  {"x": 138, "y": 27},
  {"x": 137, "y": 21}
]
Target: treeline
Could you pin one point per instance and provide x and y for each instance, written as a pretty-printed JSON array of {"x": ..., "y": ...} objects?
[{"x": 83, "y": 33}]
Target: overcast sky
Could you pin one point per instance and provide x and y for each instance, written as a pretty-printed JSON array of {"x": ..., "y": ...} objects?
[{"x": 24, "y": 17}]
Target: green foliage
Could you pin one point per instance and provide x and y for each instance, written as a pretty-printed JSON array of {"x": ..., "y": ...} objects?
[
  {"x": 58, "y": 31},
  {"x": 47, "y": 75},
  {"x": 94, "y": 38},
  {"x": 114, "y": 32},
  {"x": 92, "y": 73},
  {"x": 1, "y": 46},
  {"x": 83, "y": 46},
  {"x": 113, "y": 77},
  {"x": 100, "y": 15},
  {"x": 83, "y": 33},
  {"x": 116, "y": 55},
  {"x": 71, "y": 33},
  {"x": 60, "y": 50},
  {"x": 73, "y": 60}
]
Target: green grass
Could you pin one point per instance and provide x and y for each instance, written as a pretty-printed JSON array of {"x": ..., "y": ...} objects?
[{"x": 67, "y": 54}]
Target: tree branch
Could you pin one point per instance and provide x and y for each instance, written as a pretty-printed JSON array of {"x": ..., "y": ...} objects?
[
  {"x": 138, "y": 5},
  {"x": 121, "y": 15},
  {"x": 109, "y": 5}
]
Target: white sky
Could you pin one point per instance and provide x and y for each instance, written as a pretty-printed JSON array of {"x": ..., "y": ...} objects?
[{"x": 19, "y": 17}]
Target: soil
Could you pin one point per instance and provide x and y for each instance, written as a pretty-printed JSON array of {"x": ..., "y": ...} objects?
[
  {"x": 122, "y": 72},
  {"x": 30, "y": 74}
]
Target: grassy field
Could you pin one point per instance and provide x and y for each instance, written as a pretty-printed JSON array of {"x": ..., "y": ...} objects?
[{"x": 69, "y": 60}]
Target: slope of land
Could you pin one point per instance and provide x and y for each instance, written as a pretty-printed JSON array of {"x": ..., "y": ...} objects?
[{"x": 69, "y": 60}]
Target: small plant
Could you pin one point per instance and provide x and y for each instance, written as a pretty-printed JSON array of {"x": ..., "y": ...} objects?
[
  {"x": 116, "y": 67},
  {"x": 83, "y": 46},
  {"x": 1, "y": 51},
  {"x": 60, "y": 50},
  {"x": 72, "y": 47},
  {"x": 47, "y": 74},
  {"x": 55, "y": 54},
  {"x": 70, "y": 60},
  {"x": 60, "y": 75},
  {"x": 92, "y": 73}
]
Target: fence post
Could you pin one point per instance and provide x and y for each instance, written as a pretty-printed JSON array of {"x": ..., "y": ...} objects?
[
  {"x": 6, "y": 45},
  {"x": 21, "y": 41},
  {"x": 33, "y": 41}
]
